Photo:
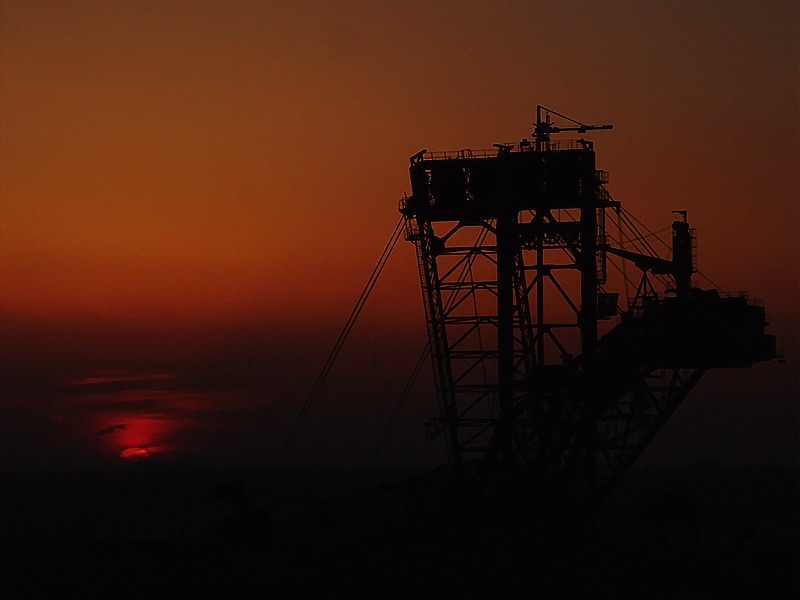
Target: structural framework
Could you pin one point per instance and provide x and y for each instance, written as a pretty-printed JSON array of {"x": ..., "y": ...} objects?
[{"x": 543, "y": 376}]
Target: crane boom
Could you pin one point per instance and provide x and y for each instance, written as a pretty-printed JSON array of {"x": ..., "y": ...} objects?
[{"x": 544, "y": 128}]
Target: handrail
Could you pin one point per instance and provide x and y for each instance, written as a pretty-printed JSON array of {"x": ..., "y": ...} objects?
[{"x": 493, "y": 152}]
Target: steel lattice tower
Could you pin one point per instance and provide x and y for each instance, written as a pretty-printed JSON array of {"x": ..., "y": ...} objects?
[{"x": 512, "y": 252}]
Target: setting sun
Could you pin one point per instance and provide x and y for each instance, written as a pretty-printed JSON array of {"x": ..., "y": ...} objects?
[{"x": 133, "y": 454}]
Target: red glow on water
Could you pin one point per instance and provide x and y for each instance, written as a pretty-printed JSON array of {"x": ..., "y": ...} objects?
[
  {"x": 119, "y": 377},
  {"x": 148, "y": 420},
  {"x": 144, "y": 430},
  {"x": 134, "y": 454},
  {"x": 108, "y": 425}
]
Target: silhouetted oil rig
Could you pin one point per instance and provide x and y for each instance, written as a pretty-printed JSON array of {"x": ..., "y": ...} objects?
[{"x": 548, "y": 389}]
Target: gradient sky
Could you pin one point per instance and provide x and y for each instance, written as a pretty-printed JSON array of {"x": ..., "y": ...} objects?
[{"x": 201, "y": 189}]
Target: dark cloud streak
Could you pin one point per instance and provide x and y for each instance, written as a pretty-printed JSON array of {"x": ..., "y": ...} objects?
[{"x": 112, "y": 429}]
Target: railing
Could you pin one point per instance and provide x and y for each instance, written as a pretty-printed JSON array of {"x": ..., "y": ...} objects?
[
  {"x": 752, "y": 300},
  {"x": 492, "y": 152},
  {"x": 735, "y": 294},
  {"x": 411, "y": 231},
  {"x": 569, "y": 145},
  {"x": 456, "y": 154}
]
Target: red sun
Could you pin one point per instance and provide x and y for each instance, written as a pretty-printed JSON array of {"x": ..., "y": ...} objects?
[{"x": 133, "y": 454}]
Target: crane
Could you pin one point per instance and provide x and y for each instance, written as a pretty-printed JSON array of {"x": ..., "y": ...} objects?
[
  {"x": 532, "y": 393},
  {"x": 543, "y": 129}
]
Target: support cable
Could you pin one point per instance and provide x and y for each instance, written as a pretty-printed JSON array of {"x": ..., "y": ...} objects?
[
  {"x": 666, "y": 245},
  {"x": 417, "y": 370},
  {"x": 628, "y": 281},
  {"x": 632, "y": 220},
  {"x": 627, "y": 219},
  {"x": 401, "y": 402},
  {"x": 623, "y": 270},
  {"x": 624, "y": 263},
  {"x": 638, "y": 239},
  {"x": 651, "y": 233},
  {"x": 708, "y": 279},
  {"x": 348, "y": 326}
]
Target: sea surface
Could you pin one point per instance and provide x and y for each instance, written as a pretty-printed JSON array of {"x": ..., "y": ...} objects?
[{"x": 138, "y": 531}]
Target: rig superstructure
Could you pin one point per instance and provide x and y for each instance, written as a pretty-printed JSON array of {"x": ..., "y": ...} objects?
[{"x": 545, "y": 383}]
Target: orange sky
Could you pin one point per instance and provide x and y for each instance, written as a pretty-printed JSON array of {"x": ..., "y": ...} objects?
[{"x": 241, "y": 162}]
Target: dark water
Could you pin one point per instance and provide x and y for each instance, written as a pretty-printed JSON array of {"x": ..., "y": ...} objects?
[
  {"x": 143, "y": 532},
  {"x": 142, "y": 503}
]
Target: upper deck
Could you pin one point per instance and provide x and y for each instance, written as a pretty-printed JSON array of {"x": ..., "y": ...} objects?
[{"x": 479, "y": 184}]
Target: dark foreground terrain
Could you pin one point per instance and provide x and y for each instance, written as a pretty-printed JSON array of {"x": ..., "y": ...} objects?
[{"x": 704, "y": 531}]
